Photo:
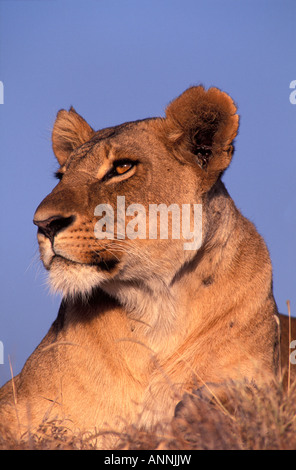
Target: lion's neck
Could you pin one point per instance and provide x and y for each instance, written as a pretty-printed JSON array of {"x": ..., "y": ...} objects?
[
  {"x": 159, "y": 308},
  {"x": 153, "y": 305}
]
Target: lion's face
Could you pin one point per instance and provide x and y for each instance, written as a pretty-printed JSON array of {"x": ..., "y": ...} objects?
[{"x": 174, "y": 160}]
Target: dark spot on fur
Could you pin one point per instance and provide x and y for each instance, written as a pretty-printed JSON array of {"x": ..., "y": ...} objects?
[
  {"x": 207, "y": 281},
  {"x": 107, "y": 265}
]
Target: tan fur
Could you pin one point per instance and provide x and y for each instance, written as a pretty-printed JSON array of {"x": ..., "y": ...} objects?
[{"x": 143, "y": 321}]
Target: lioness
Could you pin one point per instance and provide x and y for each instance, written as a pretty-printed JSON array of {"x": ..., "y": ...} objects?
[{"x": 143, "y": 320}]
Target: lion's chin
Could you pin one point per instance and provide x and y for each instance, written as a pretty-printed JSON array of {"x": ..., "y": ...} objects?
[{"x": 74, "y": 279}]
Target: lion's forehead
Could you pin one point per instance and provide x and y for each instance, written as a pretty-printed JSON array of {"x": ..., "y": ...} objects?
[{"x": 131, "y": 139}]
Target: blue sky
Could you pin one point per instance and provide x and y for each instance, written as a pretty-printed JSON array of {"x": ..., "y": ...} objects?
[{"x": 121, "y": 60}]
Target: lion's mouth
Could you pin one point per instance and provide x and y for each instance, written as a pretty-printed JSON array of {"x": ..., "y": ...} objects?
[
  {"x": 51, "y": 255},
  {"x": 101, "y": 264}
]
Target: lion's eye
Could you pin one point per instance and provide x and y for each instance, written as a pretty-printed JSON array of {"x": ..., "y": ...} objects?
[{"x": 122, "y": 167}]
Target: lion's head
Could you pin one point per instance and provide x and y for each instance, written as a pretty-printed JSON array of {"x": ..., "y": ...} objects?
[{"x": 172, "y": 160}]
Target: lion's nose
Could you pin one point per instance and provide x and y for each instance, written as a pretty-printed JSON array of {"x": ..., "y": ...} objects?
[{"x": 53, "y": 225}]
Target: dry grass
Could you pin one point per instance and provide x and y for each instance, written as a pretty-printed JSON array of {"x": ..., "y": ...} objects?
[{"x": 253, "y": 419}]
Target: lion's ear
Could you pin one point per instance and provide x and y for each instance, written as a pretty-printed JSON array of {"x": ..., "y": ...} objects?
[
  {"x": 70, "y": 131},
  {"x": 202, "y": 125}
]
